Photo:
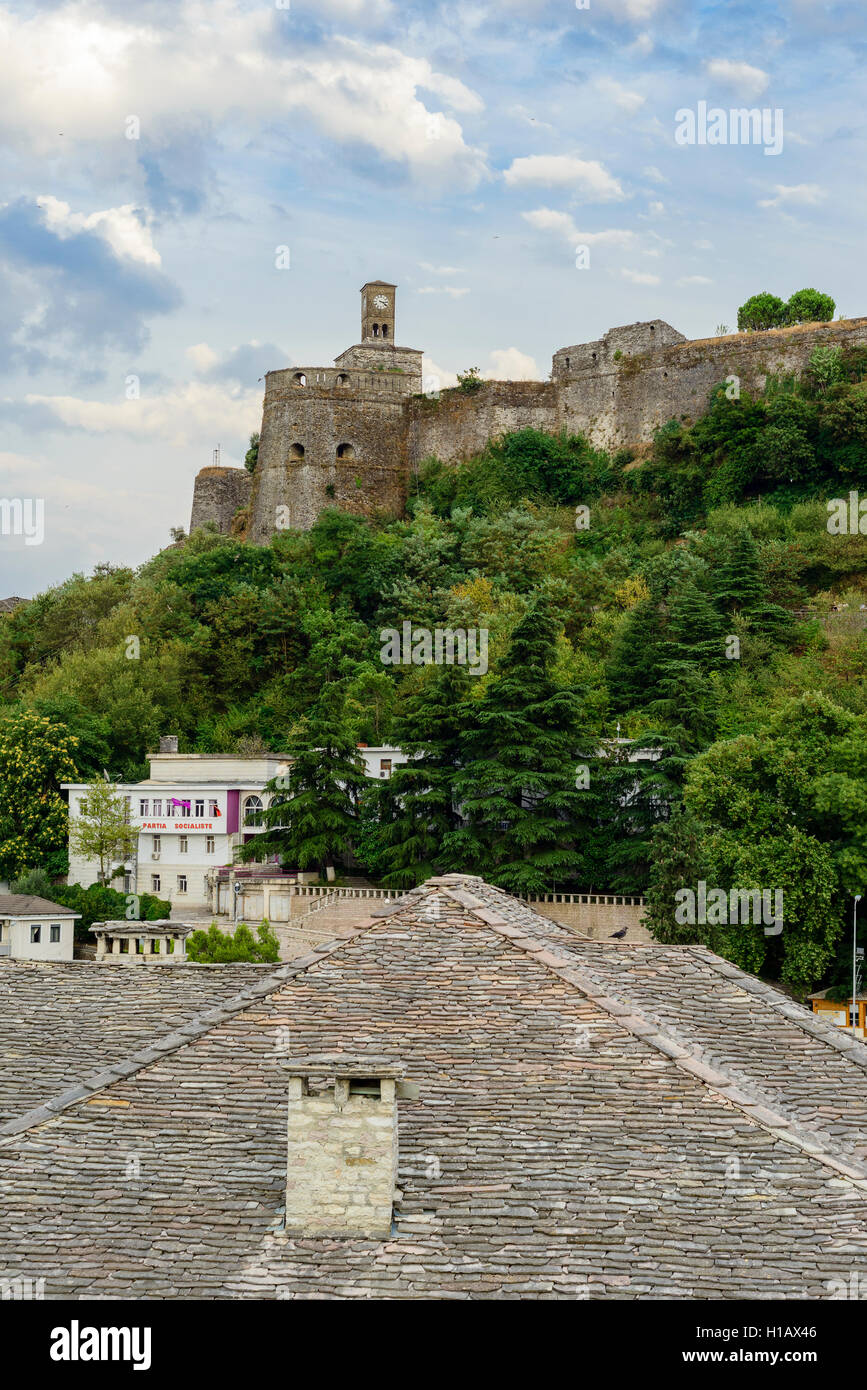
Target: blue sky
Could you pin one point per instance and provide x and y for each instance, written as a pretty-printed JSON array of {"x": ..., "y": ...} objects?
[{"x": 460, "y": 150}]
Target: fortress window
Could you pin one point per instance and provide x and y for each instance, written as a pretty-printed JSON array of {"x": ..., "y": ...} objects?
[
  {"x": 567, "y": 364},
  {"x": 376, "y": 330},
  {"x": 385, "y": 330},
  {"x": 296, "y": 451},
  {"x": 343, "y": 379},
  {"x": 299, "y": 379},
  {"x": 345, "y": 451}
]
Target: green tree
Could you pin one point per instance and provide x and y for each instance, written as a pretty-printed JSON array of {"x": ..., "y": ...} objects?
[
  {"x": 760, "y": 312},
  {"x": 102, "y": 830},
  {"x": 251, "y": 458},
  {"x": 36, "y": 755},
  {"x": 313, "y": 813},
  {"x": 522, "y": 751},
  {"x": 810, "y": 306}
]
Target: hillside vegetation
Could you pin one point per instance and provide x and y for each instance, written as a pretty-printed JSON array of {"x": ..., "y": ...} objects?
[{"x": 693, "y": 612}]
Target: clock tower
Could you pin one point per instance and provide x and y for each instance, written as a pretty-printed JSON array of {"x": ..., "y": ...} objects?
[{"x": 377, "y": 312}]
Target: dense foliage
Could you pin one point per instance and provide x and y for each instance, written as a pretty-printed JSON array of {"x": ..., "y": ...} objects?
[
  {"x": 763, "y": 311},
  {"x": 213, "y": 947},
  {"x": 668, "y": 695}
]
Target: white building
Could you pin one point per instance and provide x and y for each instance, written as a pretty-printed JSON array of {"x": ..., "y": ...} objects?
[
  {"x": 35, "y": 929},
  {"x": 192, "y": 814}
]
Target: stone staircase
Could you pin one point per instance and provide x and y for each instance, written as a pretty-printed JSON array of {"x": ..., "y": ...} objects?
[{"x": 332, "y": 917}]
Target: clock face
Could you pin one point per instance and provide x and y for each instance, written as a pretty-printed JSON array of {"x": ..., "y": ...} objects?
[{"x": 380, "y": 301}]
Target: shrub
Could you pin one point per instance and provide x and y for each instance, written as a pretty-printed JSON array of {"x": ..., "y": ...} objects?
[{"x": 214, "y": 947}]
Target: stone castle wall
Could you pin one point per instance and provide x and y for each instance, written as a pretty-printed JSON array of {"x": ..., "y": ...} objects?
[
  {"x": 218, "y": 494},
  {"x": 350, "y": 436}
]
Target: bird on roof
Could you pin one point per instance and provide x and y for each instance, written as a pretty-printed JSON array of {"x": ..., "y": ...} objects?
[{"x": 618, "y": 935}]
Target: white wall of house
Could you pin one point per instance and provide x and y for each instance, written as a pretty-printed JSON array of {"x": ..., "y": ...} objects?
[{"x": 56, "y": 936}]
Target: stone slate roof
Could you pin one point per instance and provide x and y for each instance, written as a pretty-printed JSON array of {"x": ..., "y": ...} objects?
[
  {"x": 594, "y": 1120},
  {"x": 63, "y": 1021},
  {"x": 23, "y": 905}
]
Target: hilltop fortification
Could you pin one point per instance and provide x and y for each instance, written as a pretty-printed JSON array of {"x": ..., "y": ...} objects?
[{"x": 350, "y": 435}]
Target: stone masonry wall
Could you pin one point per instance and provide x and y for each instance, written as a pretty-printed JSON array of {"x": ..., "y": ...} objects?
[
  {"x": 218, "y": 493},
  {"x": 342, "y": 1162},
  {"x": 460, "y": 424},
  {"x": 621, "y": 402}
]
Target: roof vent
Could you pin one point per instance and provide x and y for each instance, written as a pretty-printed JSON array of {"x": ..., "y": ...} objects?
[{"x": 342, "y": 1144}]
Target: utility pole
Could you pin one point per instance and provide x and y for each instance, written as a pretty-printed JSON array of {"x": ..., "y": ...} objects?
[{"x": 855, "y": 961}]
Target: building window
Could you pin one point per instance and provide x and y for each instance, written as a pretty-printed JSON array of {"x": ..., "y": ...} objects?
[
  {"x": 35, "y": 935},
  {"x": 158, "y": 806},
  {"x": 170, "y": 809},
  {"x": 376, "y": 330},
  {"x": 155, "y": 883},
  {"x": 158, "y": 840},
  {"x": 127, "y": 808},
  {"x": 385, "y": 767},
  {"x": 252, "y": 810},
  {"x": 296, "y": 451},
  {"x": 54, "y": 931},
  {"x": 385, "y": 330},
  {"x": 210, "y": 844},
  {"x": 143, "y": 807},
  {"x": 342, "y": 379},
  {"x": 182, "y": 883},
  {"x": 200, "y": 808},
  {"x": 182, "y": 844},
  {"x": 345, "y": 451},
  {"x": 299, "y": 379},
  {"x": 213, "y": 808}
]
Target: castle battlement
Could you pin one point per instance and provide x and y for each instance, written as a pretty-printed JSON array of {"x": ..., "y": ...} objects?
[{"x": 351, "y": 435}]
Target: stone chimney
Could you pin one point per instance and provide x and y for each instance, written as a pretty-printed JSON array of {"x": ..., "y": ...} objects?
[
  {"x": 169, "y": 743},
  {"x": 342, "y": 1145}
]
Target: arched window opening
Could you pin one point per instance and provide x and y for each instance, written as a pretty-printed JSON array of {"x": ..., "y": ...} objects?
[
  {"x": 299, "y": 379},
  {"x": 342, "y": 379},
  {"x": 345, "y": 451},
  {"x": 376, "y": 330},
  {"x": 296, "y": 451},
  {"x": 385, "y": 330},
  {"x": 252, "y": 810}
]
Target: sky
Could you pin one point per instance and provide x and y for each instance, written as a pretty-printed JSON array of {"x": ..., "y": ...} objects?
[{"x": 193, "y": 194}]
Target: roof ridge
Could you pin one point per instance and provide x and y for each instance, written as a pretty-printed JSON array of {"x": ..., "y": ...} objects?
[
  {"x": 854, "y": 1049},
  {"x": 658, "y": 1036},
  {"x": 179, "y": 1037}
]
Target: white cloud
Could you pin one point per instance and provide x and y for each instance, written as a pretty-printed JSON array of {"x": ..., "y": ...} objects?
[
  {"x": 432, "y": 372},
  {"x": 202, "y": 357},
  {"x": 650, "y": 171},
  {"x": 510, "y": 364},
  {"x": 182, "y": 416},
  {"x": 693, "y": 280},
  {"x": 643, "y": 46},
  {"x": 586, "y": 177},
  {"x": 623, "y": 99},
  {"x": 441, "y": 269},
  {"x": 640, "y": 277},
  {"x": 801, "y": 194},
  {"x": 747, "y": 81},
  {"x": 703, "y": 245},
  {"x": 122, "y": 228},
  {"x": 656, "y": 209},
  {"x": 66, "y": 71},
  {"x": 562, "y": 224},
  {"x": 454, "y": 290}
]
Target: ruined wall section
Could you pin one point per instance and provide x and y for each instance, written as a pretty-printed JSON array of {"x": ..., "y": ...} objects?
[
  {"x": 617, "y": 402},
  {"x": 457, "y": 424},
  {"x": 218, "y": 493},
  {"x": 329, "y": 438}
]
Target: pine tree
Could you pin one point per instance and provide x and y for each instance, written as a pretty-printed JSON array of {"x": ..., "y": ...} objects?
[
  {"x": 737, "y": 581},
  {"x": 519, "y": 786},
  {"x": 416, "y": 807},
  {"x": 632, "y": 668},
  {"x": 313, "y": 811},
  {"x": 693, "y": 650}
]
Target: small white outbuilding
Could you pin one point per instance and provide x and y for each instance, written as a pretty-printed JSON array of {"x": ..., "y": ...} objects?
[{"x": 35, "y": 929}]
